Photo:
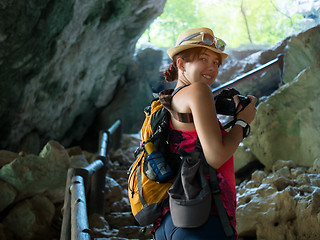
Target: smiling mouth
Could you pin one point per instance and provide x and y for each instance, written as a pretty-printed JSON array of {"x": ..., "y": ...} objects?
[{"x": 207, "y": 76}]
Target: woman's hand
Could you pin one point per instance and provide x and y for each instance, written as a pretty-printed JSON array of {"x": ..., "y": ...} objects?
[{"x": 249, "y": 112}]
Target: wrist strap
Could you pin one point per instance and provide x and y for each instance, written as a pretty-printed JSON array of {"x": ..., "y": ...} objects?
[
  {"x": 241, "y": 122},
  {"x": 245, "y": 127}
]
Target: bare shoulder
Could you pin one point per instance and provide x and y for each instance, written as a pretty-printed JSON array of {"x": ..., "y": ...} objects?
[
  {"x": 199, "y": 93},
  {"x": 195, "y": 94},
  {"x": 194, "y": 90},
  {"x": 199, "y": 88}
]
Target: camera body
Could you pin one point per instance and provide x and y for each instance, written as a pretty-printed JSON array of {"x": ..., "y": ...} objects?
[{"x": 225, "y": 104}]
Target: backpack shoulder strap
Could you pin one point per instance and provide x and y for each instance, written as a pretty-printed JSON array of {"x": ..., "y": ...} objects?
[
  {"x": 215, "y": 190},
  {"x": 178, "y": 89},
  {"x": 165, "y": 98}
]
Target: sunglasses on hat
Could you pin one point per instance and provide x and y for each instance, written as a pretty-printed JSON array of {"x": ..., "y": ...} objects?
[{"x": 207, "y": 39}]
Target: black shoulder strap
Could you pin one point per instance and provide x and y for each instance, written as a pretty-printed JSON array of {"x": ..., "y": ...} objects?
[
  {"x": 215, "y": 190},
  {"x": 178, "y": 89}
]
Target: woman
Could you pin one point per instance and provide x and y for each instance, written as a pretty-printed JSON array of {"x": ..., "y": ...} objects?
[{"x": 195, "y": 65}]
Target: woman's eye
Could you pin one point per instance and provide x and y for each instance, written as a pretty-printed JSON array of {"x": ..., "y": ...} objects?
[{"x": 216, "y": 63}]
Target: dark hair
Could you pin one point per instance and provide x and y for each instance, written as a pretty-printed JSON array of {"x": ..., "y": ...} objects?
[{"x": 189, "y": 55}]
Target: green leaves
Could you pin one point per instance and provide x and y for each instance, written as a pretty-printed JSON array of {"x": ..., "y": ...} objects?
[{"x": 268, "y": 21}]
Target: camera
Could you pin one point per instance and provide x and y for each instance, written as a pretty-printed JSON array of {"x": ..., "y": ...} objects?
[{"x": 225, "y": 104}]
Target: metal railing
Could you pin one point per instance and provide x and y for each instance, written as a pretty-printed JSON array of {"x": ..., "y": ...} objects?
[
  {"x": 255, "y": 72},
  {"x": 79, "y": 195}
]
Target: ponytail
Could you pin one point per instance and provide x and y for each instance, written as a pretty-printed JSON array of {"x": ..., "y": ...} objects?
[{"x": 171, "y": 73}]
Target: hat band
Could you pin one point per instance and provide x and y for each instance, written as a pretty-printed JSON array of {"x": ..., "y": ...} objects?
[{"x": 207, "y": 40}]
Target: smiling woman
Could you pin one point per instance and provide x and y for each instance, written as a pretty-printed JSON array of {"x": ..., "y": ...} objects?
[{"x": 196, "y": 58}]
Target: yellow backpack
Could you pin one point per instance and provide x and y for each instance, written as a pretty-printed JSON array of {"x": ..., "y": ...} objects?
[
  {"x": 146, "y": 193},
  {"x": 149, "y": 194}
]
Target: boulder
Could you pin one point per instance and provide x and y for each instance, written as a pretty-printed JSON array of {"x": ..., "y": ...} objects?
[
  {"x": 113, "y": 193},
  {"x": 31, "y": 219},
  {"x": 286, "y": 125},
  {"x": 301, "y": 52},
  {"x": 8, "y": 195},
  {"x": 128, "y": 106},
  {"x": 316, "y": 166},
  {"x": 146, "y": 65},
  {"x": 101, "y": 228},
  {"x": 31, "y": 174},
  {"x": 141, "y": 79},
  {"x": 7, "y": 156}
]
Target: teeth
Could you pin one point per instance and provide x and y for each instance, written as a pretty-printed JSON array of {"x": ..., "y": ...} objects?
[{"x": 207, "y": 76}]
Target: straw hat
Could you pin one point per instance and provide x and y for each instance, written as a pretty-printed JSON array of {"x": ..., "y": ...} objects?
[{"x": 193, "y": 42}]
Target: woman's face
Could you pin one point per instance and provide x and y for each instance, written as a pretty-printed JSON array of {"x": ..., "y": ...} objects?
[{"x": 204, "y": 68}]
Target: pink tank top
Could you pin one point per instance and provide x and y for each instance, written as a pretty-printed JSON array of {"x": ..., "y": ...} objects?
[
  {"x": 187, "y": 141},
  {"x": 226, "y": 177}
]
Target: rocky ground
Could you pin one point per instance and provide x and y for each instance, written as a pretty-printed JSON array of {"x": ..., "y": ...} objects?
[{"x": 283, "y": 203}]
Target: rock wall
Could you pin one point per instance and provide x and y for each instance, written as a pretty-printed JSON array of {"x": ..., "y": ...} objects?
[
  {"x": 60, "y": 62},
  {"x": 286, "y": 126}
]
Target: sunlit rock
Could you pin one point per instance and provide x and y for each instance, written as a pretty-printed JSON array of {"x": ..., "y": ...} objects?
[
  {"x": 279, "y": 205},
  {"x": 316, "y": 166},
  {"x": 301, "y": 52},
  {"x": 287, "y": 122},
  {"x": 243, "y": 156},
  {"x": 32, "y": 174},
  {"x": 280, "y": 164}
]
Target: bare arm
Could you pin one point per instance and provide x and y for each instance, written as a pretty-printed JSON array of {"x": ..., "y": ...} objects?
[{"x": 217, "y": 148}]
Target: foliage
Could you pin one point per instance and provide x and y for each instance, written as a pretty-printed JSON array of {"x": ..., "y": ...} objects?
[
  {"x": 178, "y": 15},
  {"x": 268, "y": 21}
]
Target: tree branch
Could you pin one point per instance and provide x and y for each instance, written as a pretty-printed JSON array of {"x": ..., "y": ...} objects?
[{"x": 246, "y": 21}]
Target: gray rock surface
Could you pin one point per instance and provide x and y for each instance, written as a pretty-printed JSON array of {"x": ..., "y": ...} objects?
[
  {"x": 46, "y": 173},
  {"x": 286, "y": 125},
  {"x": 278, "y": 205},
  {"x": 60, "y": 62},
  {"x": 31, "y": 218}
]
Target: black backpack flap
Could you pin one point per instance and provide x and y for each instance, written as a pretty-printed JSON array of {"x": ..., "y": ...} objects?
[{"x": 160, "y": 124}]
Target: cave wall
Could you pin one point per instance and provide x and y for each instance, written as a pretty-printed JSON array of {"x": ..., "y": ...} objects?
[
  {"x": 62, "y": 61},
  {"x": 286, "y": 125}
]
